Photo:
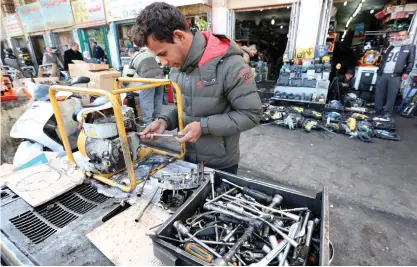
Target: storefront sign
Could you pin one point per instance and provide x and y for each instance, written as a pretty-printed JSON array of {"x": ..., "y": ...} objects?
[
  {"x": 123, "y": 9},
  {"x": 12, "y": 25},
  {"x": 57, "y": 13},
  {"x": 31, "y": 17},
  {"x": 88, "y": 13}
]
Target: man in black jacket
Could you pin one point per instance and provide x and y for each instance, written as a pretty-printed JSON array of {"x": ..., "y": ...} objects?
[
  {"x": 396, "y": 66},
  {"x": 98, "y": 52},
  {"x": 72, "y": 54}
]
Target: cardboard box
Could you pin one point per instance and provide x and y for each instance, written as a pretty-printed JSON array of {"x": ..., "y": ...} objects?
[
  {"x": 98, "y": 79},
  {"x": 97, "y": 67}
]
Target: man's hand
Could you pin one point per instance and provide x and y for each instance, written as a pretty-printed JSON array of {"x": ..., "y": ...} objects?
[
  {"x": 191, "y": 133},
  {"x": 157, "y": 126},
  {"x": 404, "y": 77}
]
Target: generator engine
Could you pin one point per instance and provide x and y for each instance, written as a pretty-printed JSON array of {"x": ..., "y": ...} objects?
[{"x": 99, "y": 139}]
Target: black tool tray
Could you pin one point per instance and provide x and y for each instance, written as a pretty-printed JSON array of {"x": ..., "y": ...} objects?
[{"x": 174, "y": 256}]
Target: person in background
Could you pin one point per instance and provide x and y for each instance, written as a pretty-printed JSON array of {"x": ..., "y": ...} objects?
[
  {"x": 219, "y": 94},
  {"x": 144, "y": 65},
  {"x": 345, "y": 83},
  {"x": 72, "y": 54},
  {"x": 87, "y": 57},
  {"x": 395, "y": 66},
  {"x": 50, "y": 58},
  {"x": 98, "y": 52}
]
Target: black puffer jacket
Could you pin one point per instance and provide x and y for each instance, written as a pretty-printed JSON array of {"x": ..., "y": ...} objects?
[
  {"x": 219, "y": 92},
  {"x": 405, "y": 61}
]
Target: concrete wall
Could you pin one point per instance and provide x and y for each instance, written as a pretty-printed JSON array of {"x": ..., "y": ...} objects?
[{"x": 10, "y": 112}]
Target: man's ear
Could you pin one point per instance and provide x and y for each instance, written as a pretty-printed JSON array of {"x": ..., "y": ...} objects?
[{"x": 179, "y": 37}]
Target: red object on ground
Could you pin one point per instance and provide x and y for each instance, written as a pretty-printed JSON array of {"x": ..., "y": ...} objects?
[
  {"x": 7, "y": 91},
  {"x": 170, "y": 94}
]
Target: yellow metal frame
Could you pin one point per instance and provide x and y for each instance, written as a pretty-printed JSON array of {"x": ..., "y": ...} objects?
[{"x": 115, "y": 100}]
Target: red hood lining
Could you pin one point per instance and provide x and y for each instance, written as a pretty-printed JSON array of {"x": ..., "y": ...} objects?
[{"x": 216, "y": 47}]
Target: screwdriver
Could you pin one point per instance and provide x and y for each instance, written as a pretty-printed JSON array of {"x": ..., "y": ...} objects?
[
  {"x": 253, "y": 193},
  {"x": 199, "y": 252}
]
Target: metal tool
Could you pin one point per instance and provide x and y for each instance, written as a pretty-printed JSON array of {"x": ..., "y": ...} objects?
[
  {"x": 199, "y": 252},
  {"x": 146, "y": 206},
  {"x": 220, "y": 196},
  {"x": 166, "y": 135},
  {"x": 233, "y": 250},
  {"x": 253, "y": 193},
  {"x": 227, "y": 212},
  {"x": 184, "y": 230},
  {"x": 289, "y": 215},
  {"x": 275, "y": 251}
]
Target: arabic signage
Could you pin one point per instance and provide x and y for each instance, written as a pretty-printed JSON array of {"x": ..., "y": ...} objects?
[
  {"x": 31, "y": 17},
  {"x": 88, "y": 13},
  {"x": 12, "y": 25},
  {"x": 124, "y": 9},
  {"x": 57, "y": 13}
]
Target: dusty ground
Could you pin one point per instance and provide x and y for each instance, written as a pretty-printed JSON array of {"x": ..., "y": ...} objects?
[{"x": 372, "y": 187}]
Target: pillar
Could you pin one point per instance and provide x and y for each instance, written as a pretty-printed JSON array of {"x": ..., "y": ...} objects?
[{"x": 308, "y": 25}]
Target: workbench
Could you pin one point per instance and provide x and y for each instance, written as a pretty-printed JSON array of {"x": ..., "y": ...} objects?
[{"x": 71, "y": 245}]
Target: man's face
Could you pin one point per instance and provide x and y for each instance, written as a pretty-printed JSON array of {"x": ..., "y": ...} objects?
[
  {"x": 348, "y": 76},
  {"x": 402, "y": 36},
  {"x": 93, "y": 45},
  {"x": 75, "y": 47},
  {"x": 49, "y": 50},
  {"x": 173, "y": 55}
]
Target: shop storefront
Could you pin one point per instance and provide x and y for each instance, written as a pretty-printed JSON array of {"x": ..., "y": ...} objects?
[
  {"x": 122, "y": 14},
  {"x": 35, "y": 26},
  {"x": 59, "y": 20},
  {"x": 91, "y": 23},
  {"x": 17, "y": 39}
]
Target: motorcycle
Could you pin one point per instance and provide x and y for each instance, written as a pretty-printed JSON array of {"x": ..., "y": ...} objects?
[{"x": 37, "y": 127}]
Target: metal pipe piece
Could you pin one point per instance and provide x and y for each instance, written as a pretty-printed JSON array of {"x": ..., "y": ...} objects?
[
  {"x": 289, "y": 215},
  {"x": 310, "y": 228},
  {"x": 233, "y": 250},
  {"x": 275, "y": 251},
  {"x": 220, "y": 196}
]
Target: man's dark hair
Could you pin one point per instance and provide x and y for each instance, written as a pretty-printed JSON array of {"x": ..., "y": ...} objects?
[
  {"x": 159, "y": 20},
  {"x": 95, "y": 43}
]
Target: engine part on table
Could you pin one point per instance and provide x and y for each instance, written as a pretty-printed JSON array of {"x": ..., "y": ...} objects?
[
  {"x": 322, "y": 99},
  {"x": 359, "y": 117},
  {"x": 351, "y": 123},
  {"x": 385, "y": 125},
  {"x": 383, "y": 134},
  {"x": 308, "y": 113},
  {"x": 99, "y": 140},
  {"x": 176, "y": 186}
]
